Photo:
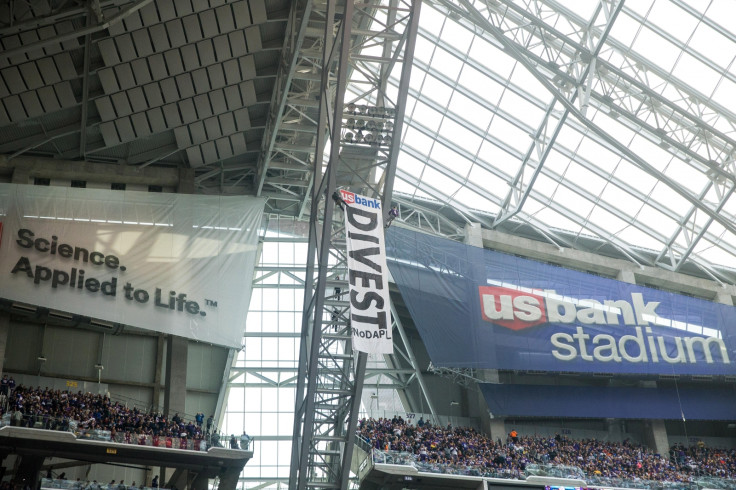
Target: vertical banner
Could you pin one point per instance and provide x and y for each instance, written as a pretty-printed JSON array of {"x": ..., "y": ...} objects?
[{"x": 370, "y": 317}]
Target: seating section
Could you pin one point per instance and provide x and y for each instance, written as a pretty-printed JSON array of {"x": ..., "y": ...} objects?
[
  {"x": 467, "y": 451},
  {"x": 96, "y": 416}
]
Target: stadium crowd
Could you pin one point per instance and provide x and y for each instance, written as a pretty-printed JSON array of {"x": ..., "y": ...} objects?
[
  {"x": 465, "y": 447},
  {"x": 63, "y": 410}
]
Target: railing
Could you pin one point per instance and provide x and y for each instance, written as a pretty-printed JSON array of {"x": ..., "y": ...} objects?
[
  {"x": 548, "y": 470},
  {"x": 713, "y": 482},
  {"x": 554, "y": 471},
  {"x": 82, "y": 433},
  {"x": 85, "y": 485},
  {"x": 602, "y": 481}
]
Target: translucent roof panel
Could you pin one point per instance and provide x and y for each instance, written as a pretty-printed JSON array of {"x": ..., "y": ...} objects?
[{"x": 590, "y": 119}]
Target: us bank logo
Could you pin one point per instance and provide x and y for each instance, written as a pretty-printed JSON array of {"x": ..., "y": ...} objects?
[
  {"x": 352, "y": 198},
  {"x": 347, "y": 196},
  {"x": 639, "y": 343}
]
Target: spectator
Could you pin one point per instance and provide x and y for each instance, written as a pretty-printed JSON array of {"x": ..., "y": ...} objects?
[
  {"x": 210, "y": 422},
  {"x": 462, "y": 449},
  {"x": 154, "y": 482},
  {"x": 233, "y": 442},
  {"x": 514, "y": 436},
  {"x": 392, "y": 215},
  {"x": 244, "y": 441},
  {"x": 338, "y": 290}
]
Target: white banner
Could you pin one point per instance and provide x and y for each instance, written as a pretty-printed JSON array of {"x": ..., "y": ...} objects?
[
  {"x": 370, "y": 315},
  {"x": 173, "y": 263}
]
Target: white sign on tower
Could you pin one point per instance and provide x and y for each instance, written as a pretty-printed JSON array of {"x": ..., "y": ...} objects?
[{"x": 370, "y": 317}]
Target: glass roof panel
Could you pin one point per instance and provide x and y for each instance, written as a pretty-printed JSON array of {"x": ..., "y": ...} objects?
[
  {"x": 487, "y": 90},
  {"x": 418, "y": 140},
  {"x": 482, "y": 51},
  {"x": 440, "y": 92},
  {"x": 430, "y": 118},
  {"x": 662, "y": 193},
  {"x": 461, "y": 37},
  {"x": 696, "y": 74},
  {"x": 470, "y": 110},
  {"x": 446, "y": 64},
  {"x": 622, "y": 200},
  {"x": 473, "y": 200},
  {"x": 657, "y": 221},
  {"x": 548, "y": 216},
  {"x": 449, "y": 158},
  {"x": 432, "y": 20},
  {"x": 440, "y": 181},
  {"x": 605, "y": 218},
  {"x": 488, "y": 181},
  {"x": 500, "y": 159},
  {"x": 509, "y": 133},
  {"x": 424, "y": 50},
  {"x": 625, "y": 29},
  {"x": 556, "y": 162},
  {"x": 638, "y": 237},
  {"x": 706, "y": 37},
  {"x": 585, "y": 179},
  {"x": 656, "y": 49},
  {"x": 602, "y": 175},
  {"x": 641, "y": 7},
  {"x": 671, "y": 18},
  {"x": 719, "y": 11},
  {"x": 522, "y": 109}
]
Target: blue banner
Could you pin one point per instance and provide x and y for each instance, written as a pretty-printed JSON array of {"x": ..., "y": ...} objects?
[
  {"x": 620, "y": 402},
  {"x": 485, "y": 309}
]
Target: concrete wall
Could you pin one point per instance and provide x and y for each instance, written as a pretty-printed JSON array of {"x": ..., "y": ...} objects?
[{"x": 129, "y": 360}]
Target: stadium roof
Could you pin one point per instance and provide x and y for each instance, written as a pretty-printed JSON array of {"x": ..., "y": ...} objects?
[{"x": 602, "y": 126}]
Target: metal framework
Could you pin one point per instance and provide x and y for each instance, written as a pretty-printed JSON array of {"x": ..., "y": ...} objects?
[
  {"x": 578, "y": 63},
  {"x": 362, "y": 46},
  {"x": 587, "y": 79}
]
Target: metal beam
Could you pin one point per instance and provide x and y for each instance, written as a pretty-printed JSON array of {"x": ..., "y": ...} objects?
[
  {"x": 519, "y": 53},
  {"x": 139, "y": 4},
  {"x": 296, "y": 28}
]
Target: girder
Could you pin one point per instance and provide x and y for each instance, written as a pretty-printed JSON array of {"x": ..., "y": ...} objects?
[
  {"x": 544, "y": 51},
  {"x": 354, "y": 131},
  {"x": 541, "y": 145}
]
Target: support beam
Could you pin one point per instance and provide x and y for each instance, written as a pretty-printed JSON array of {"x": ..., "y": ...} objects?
[
  {"x": 4, "y": 328},
  {"x": 330, "y": 374},
  {"x": 30, "y": 167},
  {"x": 176, "y": 375},
  {"x": 4, "y": 55}
]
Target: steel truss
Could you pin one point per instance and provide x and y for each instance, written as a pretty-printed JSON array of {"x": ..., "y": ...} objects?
[
  {"x": 362, "y": 45},
  {"x": 582, "y": 81}
]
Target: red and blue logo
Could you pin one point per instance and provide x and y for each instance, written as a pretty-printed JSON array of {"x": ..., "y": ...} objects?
[{"x": 347, "y": 196}]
